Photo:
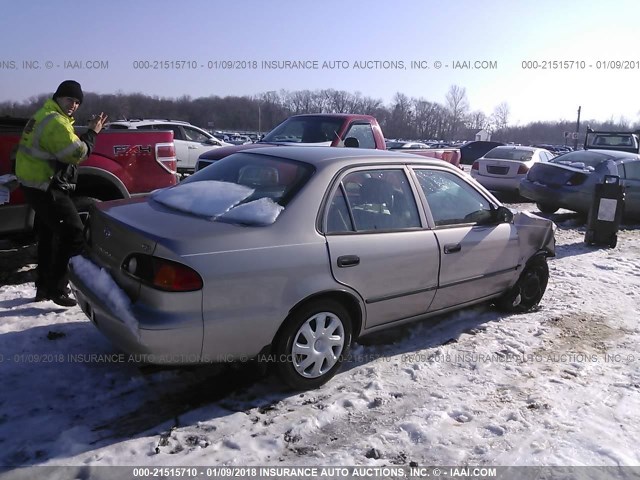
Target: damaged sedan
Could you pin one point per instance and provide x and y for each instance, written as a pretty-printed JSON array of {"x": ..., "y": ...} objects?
[{"x": 291, "y": 254}]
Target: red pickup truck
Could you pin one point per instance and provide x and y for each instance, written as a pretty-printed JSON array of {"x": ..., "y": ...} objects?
[
  {"x": 122, "y": 164},
  {"x": 330, "y": 129}
]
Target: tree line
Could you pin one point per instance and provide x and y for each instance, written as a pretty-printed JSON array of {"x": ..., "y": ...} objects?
[{"x": 404, "y": 117}]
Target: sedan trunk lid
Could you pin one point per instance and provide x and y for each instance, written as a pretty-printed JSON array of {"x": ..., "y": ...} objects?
[{"x": 555, "y": 174}]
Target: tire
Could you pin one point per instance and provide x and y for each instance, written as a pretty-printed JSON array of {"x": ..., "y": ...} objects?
[
  {"x": 526, "y": 294},
  {"x": 324, "y": 330},
  {"x": 84, "y": 205},
  {"x": 546, "y": 207},
  {"x": 613, "y": 241}
]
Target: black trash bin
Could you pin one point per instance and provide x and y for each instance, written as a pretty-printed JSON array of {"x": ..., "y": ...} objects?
[{"x": 605, "y": 212}]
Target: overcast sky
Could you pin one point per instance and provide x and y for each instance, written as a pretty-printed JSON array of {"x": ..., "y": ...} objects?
[{"x": 117, "y": 38}]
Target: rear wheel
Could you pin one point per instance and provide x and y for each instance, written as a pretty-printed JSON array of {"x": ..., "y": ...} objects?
[
  {"x": 312, "y": 344},
  {"x": 546, "y": 207},
  {"x": 529, "y": 289}
]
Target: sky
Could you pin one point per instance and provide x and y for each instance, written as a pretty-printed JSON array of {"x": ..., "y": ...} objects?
[
  {"x": 556, "y": 387},
  {"x": 121, "y": 46}
]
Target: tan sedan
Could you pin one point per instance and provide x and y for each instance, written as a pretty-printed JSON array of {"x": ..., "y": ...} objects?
[{"x": 289, "y": 254}]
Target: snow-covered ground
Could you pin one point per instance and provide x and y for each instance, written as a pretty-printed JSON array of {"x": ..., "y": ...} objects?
[{"x": 555, "y": 387}]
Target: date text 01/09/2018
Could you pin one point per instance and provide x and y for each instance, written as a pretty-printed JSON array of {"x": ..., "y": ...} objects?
[
  {"x": 580, "y": 65},
  {"x": 268, "y": 64},
  {"x": 194, "y": 64}
]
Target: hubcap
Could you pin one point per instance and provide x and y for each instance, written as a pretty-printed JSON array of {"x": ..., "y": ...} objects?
[
  {"x": 531, "y": 286},
  {"x": 317, "y": 345}
]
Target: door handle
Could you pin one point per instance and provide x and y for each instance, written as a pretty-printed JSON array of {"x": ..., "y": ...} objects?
[
  {"x": 452, "y": 248},
  {"x": 192, "y": 148},
  {"x": 348, "y": 261}
]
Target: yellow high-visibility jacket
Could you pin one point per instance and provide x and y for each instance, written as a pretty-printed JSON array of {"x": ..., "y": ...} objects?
[{"x": 47, "y": 139}]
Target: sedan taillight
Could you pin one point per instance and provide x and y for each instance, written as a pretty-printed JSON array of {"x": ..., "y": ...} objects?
[
  {"x": 576, "y": 179},
  {"x": 162, "y": 274},
  {"x": 522, "y": 169},
  {"x": 475, "y": 166}
]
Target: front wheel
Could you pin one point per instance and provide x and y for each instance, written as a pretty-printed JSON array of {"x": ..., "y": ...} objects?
[
  {"x": 312, "y": 344},
  {"x": 529, "y": 289}
]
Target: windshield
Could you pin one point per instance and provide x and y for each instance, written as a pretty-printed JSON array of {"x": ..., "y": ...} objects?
[
  {"x": 510, "y": 154},
  {"x": 306, "y": 129}
]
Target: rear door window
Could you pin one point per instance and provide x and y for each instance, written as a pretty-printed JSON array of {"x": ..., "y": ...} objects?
[{"x": 373, "y": 200}]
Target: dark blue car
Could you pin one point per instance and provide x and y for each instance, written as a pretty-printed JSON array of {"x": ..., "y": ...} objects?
[{"x": 568, "y": 181}]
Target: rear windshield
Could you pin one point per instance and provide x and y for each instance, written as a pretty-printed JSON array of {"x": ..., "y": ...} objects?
[
  {"x": 269, "y": 177},
  {"x": 587, "y": 157},
  {"x": 510, "y": 154},
  {"x": 612, "y": 140}
]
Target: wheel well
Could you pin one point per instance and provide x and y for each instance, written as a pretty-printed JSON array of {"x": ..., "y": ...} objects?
[
  {"x": 345, "y": 299},
  {"x": 96, "y": 187},
  {"x": 546, "y": 253}
]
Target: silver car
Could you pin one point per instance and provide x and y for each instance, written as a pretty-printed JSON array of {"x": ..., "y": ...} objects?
[
  {"x": 287, "y": 255},
  {"x": 502, "y": 168}
]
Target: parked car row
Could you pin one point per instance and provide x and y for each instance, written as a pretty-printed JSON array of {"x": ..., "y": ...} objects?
[
  {"x": 557, "y": 149},
  {"x": 564, "y": 181}
]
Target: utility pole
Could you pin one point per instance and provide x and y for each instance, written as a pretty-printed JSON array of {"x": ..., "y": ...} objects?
[{"x": 575, "y": 142}]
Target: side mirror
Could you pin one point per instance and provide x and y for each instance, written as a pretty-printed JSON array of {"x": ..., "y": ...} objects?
[
  {"x": 351, "y": 142},
  {"x": 502, "y": 215}
]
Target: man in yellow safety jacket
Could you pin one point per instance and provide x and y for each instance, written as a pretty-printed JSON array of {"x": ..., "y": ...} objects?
[{"x": 47, "y": 167}]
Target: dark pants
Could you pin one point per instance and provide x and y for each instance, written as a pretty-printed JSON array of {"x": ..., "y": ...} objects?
[{"x": 59, "y": 233}]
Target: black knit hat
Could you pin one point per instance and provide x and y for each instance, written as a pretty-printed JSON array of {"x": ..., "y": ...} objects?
[{"x": 69, "y": 88}]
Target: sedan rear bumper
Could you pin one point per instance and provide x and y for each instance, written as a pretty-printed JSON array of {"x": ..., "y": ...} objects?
[
  {"x": 571, "y": 198},
  {"x": 170, "y": 342},
  {"x": 499, "y": 184}
]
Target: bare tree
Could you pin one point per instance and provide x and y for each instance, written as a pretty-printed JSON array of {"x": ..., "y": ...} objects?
[
  {"x": 477, "y": 121},
  {"x": 430, "y": 117},
  {"x": 400, "y": 122},
  {"x": 458, "y": 106},
  {"x": 339, "y": 101},
  {"x": 500, "y": 116},
  {"x": 404, "y": 118}
]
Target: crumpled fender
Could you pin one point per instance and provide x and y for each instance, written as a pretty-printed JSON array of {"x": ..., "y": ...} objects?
[{"x": 537, "y": 234}]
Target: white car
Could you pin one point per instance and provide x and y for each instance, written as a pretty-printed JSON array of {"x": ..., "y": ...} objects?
[
  {"x": 240, "y": 140},
  {"x": 190, "y": 141},
  {"x": 397, "y": 145},
  {"x": 502, "y": 168}
]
